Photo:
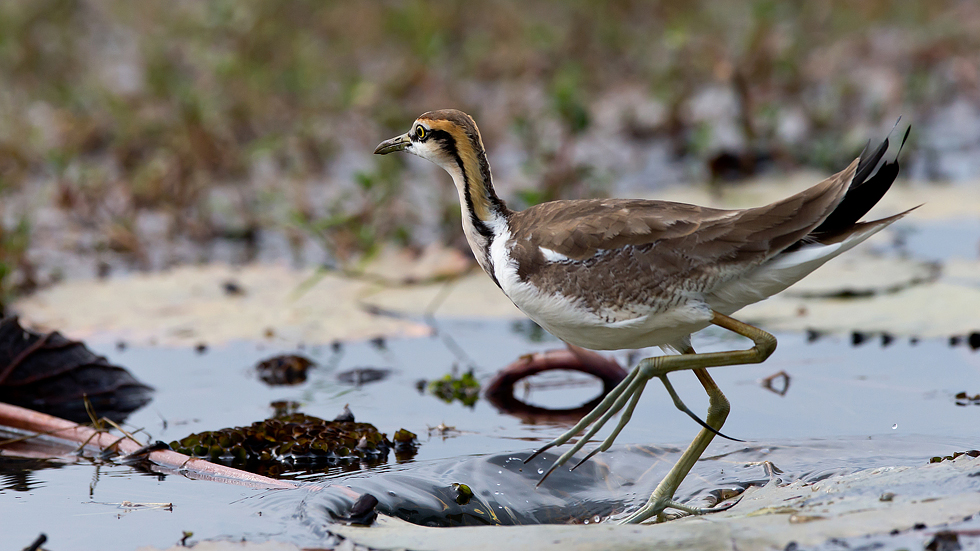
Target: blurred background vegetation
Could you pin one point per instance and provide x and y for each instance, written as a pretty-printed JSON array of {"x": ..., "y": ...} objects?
[{"x": 137, "y": 135}]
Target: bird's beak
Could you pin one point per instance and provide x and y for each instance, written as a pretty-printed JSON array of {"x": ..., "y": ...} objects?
[{"x": 397, "y": 143}]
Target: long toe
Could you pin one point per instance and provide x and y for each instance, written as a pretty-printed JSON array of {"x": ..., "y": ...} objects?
[
  {"x": 600, "y": 410},
  {"x": 632, "y": 394},
  {"x": 657, "y": 507}
]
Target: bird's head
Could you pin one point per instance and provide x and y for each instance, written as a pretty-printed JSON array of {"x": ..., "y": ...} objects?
[{"x": 448, "y": 138}]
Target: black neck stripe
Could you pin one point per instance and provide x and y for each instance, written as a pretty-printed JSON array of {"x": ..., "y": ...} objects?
[{"x": 448, "y": 144}]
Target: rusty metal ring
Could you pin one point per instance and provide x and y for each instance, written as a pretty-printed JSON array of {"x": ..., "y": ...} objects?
[{"x": 500, "y": 390}]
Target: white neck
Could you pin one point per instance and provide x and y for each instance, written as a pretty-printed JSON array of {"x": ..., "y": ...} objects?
[{"x": 478, "y": 243}]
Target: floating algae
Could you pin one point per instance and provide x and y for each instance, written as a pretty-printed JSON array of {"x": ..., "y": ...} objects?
[{"x": 297, "y": 440}]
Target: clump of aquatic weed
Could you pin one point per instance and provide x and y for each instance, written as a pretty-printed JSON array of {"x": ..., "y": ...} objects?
[
  {"x": 453, "y": 386},
  {"x": 16, "y": 271},
  {"x": 297, "y": 440},
  {"x": 968, "y": 453}
]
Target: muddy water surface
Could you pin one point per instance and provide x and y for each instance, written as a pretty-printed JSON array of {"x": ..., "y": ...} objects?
[{"x": 846, "y": 408}]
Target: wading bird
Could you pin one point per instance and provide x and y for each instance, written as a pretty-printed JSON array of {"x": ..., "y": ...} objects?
[{"x": 611, "y": 274}]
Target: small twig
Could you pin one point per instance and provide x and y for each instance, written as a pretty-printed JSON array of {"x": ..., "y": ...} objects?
[
  {"x": 163, "y": 460},
  {"x": 90, "y": 411},
  {"x": 122, "y": 430},
  {"x": 37, "y": 543}
]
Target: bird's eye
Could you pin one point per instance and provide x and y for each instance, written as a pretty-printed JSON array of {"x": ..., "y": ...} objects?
[{"x": 420, "y": 132}]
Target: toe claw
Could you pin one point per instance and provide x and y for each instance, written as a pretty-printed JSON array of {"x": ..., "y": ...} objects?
[
  {"x": 587, "y": 457},
  {"x": 541, "y": 450},
  {"x": 707, "y": 426},
  {"x": 551, "y": 470},
  {"x": 722, "y": 506}
]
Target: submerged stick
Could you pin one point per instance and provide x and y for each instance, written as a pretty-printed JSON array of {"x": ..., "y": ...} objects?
[{"x": 166, "y": 461}]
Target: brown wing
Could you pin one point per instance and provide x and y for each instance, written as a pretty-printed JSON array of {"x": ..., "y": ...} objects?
[{"x": 663, "y": 237}]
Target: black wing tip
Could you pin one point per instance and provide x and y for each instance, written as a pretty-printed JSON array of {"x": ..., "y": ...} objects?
[
  {"x": 905, "y": 138},
  {"x": 871, "y": 181}
]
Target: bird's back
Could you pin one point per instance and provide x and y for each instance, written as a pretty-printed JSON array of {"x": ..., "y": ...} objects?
[{"x": 614, "y": 273}]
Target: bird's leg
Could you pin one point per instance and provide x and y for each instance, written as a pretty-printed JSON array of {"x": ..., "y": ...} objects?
[
  {"x": 662, "y": 497},
  {"x": 633, "y": 386},
  {"x": 718, "y": 407},
  {"x": 628, "y": 413},
  {"x": 659, "y": 367}
]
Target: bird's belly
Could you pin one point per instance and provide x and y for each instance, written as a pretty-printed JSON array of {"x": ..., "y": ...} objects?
[{"x": 630, "y": 326}]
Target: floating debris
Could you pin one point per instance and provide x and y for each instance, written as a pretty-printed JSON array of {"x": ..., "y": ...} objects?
[
  {"x": 406, "y": 444},
  {"x": 463, "y": 493},
  {"x": 945, "y": 540},
  {"x": 939, "y": 459},
  {"x": 500, "y": 390},
  {"x": 972, "y": 340},
  {"x": 233, "y": 288},
  {"x": 964, "y": 399},
  {"x": 444, "y": 430},
  {"x": 287, "y": 369},
  {"x": 282, "y": 408},
  {"x": 346, "y": 415},
  {"x": 296, "y": 440},
  {"x": 451, "y": 387},
  {"x": 363, "y": 375},
  {"x": 782, "y": 376},
  {"x": 133, "y": 506}
]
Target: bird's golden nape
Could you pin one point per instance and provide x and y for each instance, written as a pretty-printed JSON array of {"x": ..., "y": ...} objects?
[{"x": 624, "y": 274}]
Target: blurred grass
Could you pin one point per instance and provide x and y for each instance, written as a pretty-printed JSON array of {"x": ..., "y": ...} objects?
[
  {"x": 14, "y": 242},
  {"x": 125, "y": 107}
]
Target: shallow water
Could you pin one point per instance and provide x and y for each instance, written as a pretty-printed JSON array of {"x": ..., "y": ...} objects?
[{"x": 847, "y": 407}]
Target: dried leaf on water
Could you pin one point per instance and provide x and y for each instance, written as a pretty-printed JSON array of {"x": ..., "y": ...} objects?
[
  {"x": 49, "y": 373},
  {"x": 286, "y": 369}
]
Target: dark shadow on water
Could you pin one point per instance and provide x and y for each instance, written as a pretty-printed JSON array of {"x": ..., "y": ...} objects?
[{"x": 503, "y": 488}]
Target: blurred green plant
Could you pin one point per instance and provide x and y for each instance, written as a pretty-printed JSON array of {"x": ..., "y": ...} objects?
[
  {"x": 14, "y": 244},
  {"x": 362, "y": 219},
  {"x": 568, "y": 98},
  {"x": 453, "y": 386}
]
